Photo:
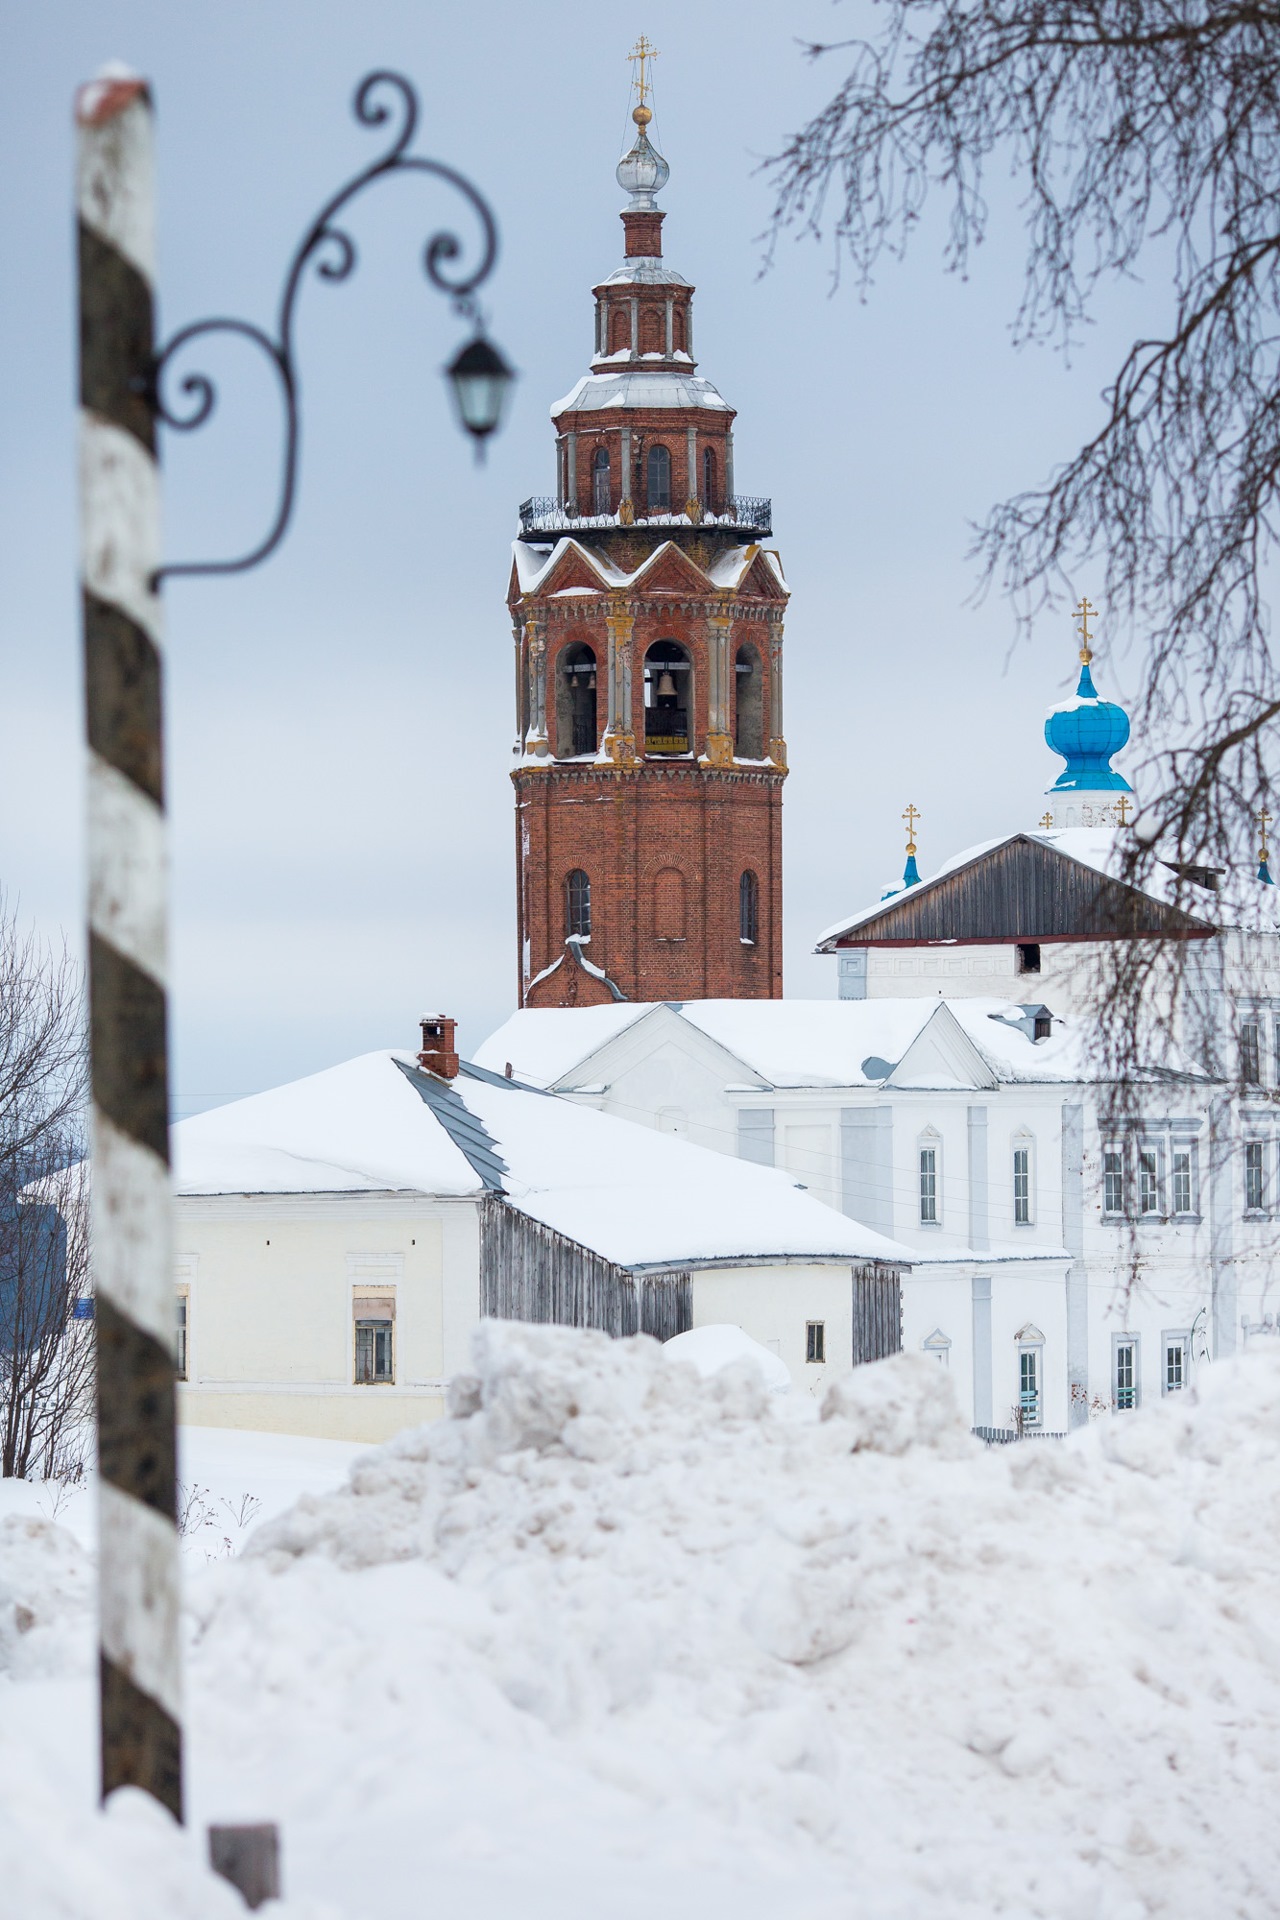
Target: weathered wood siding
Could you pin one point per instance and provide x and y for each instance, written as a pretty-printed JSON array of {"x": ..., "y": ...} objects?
[
  {"x": 530, "y": 1272},
  {"x": 1021, "y": 891},
  {"x": 877, "y": 1312}
]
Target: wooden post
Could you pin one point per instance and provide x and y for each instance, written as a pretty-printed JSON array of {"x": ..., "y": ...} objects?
[
  {"x": 132, "y": 1263},
  {"x": 249, "y": 1857}
]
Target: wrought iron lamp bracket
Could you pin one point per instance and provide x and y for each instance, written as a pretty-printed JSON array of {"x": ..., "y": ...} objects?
[{"x": 333, "y": 252}]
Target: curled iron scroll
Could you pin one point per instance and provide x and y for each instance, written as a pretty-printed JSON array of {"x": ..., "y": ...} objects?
[{"x": 332, "y": 251}]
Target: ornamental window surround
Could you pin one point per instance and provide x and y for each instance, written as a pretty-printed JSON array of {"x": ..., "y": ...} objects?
[
  {"x": 929, "y": 1165},
  {"x": 1125, "y": 1373},
  {"x": 1023, "y": 1176},
  {"x": 1030, "y": 1407}
]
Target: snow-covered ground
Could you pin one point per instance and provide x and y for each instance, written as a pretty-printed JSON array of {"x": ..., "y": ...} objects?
[{"x": 617, "y": 1640}]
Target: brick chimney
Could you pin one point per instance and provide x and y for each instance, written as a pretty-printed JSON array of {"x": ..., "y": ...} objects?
[{"x": 439, "y": 1054}]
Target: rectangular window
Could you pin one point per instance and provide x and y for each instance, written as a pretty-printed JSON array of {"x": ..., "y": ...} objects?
[
  {"x": 928, "y": 1183},
  {"x": 815, "y": 1343},
  {"x": 1182, "y": 1196},
  {"x": 1125, "y": 1383},
  {"x": 1148, "y": 1180},
  {"x": 181, "y": 1350},
  {"x": 1250, "y": 1054},
  {"x": 1113, "y": 1180},
  {"x": 1029, "y": 1386},
  {"x": 1254, "y": 1180},
  {"x": 1175, "y": 1362},
  {"x": 1022, "y": 1186},
  {"x": 373, "y": 1352}
]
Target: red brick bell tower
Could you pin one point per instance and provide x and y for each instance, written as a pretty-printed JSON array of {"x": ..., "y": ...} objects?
[{"x": 648, "y": 630}]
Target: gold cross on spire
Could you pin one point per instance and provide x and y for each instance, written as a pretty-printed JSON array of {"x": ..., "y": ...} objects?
[
  {"x": 1263, "y": 818},
  {"x": 642, "y": 53},
  {"x": 1123, "y": 805},
  {"x": 911, "y": 815},
  {"x": 1084, "y": 613},
  {"x": 1046, "y": 820}
]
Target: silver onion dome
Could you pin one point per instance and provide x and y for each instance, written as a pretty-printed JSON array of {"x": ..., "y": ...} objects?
[{"x": 642, "y": 172}]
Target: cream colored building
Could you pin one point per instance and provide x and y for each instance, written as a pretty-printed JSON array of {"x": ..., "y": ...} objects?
[{"x": 339, "y": 1238}]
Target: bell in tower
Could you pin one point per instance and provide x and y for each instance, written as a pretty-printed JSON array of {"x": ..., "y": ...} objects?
[{"x": 647, "y": 613}]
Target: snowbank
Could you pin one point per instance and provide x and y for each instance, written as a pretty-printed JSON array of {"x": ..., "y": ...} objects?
[
  {"x": 615, "y": 1639},
  {"x": 710, "y": 1348}
]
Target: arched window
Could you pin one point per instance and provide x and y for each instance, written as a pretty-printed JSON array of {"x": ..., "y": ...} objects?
[
  {"x": 658, "y": 487},
  {"x": 652, "y": 329},
  {"x": 577, "y": 904},
  {"x": 667, "y": 698},
  {"x": 576, "y": 729},
  {"x": 748, "y": 909},
  {"x": 601, "y": 492},
  {"x": 709, "y": 497},
  {"x": 748, "y": 705},
  {"x": 678, "y": 335},
  {"x": 668, "y": 905},
  {"x": 619, "y": 330}
]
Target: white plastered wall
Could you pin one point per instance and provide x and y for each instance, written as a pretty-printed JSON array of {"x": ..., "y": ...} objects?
[
  {"x": 271, "y": 1281},
  {"x": 773, "y": 1304}
]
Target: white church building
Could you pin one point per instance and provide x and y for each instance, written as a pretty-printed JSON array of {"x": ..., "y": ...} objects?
[{"x": 1072, "y": 1254}]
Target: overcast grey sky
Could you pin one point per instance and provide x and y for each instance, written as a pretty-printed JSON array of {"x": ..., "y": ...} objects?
[{"x": 340, "y": 721}]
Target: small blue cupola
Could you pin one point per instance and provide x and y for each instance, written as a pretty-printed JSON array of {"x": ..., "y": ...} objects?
[
  {"x": 911, "y": 872},
  {"x": 1086, "y": 731},
  {"x": 1264, "y": 851}
]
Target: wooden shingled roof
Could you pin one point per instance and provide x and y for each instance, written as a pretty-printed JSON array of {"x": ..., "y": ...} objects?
[{"x": 1024, "y": 889}]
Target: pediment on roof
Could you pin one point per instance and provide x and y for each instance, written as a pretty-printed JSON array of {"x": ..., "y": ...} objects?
[
  {"x": 661, "y": 1045},
  {"x": 942, "y": 1055},
  {"x": 759, "y": 578},
  {"x": 670, "y": 570},
  {"x": 573, "y": 566},
  {"x": 1021, "y": 890}
]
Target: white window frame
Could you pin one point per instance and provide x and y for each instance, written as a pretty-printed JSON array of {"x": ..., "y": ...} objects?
[
  {"x": 1024, "y": 1143},
  {"x": 1116, "y": 1148},
  {"x": 374, "y": 1277},
  {"x": 1179, "y": 1146},
  {"x": 1258, "y": 1210},
  {"x": 184, "y": 1289},
  {"x": 815, "y": 1335},
  {"x": 929, "y": 1142},
  {"x": 1030, "y": 1344},
  {"x": 1131, "y": 1342},
  {"x": 1251, "y": 1050},
  {"x": 1179, "y": 1339},
  {"x": 1149, "y": 1149}
]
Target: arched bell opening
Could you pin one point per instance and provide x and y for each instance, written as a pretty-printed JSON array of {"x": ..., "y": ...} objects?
[
  {"x": 748, "y": 705},
  {"x": 577, "y": 730},
  {"x": 710, "y": 490},
  {"x": 668, "y": 698}
]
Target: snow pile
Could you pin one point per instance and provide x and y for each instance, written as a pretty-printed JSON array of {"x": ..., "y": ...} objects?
[
  {"x": 617, "y": 1639},
  {"x": 631, "y": 1629},
  {"x": 721, "y": 1345}
]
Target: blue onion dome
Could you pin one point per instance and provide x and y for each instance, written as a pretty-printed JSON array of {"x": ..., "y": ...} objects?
[{"x": 1086, "y": 731}]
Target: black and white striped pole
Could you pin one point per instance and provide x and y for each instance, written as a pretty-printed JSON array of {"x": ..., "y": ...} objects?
[
  {"x": 122, "y": 381},
  {"x": 133, "y": 1268}
]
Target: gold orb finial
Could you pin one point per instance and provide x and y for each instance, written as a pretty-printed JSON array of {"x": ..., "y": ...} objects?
[{"x": 641, "y": 115}]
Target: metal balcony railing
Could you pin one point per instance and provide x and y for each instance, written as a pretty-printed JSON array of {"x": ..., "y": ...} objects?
[{"x": 744, "y": 514}]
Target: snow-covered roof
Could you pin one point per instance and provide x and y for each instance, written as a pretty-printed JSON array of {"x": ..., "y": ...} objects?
[
  {"x": 533, "y": 564},
  {"x": 646, "y": 270},
  {"x": 638, "y": 388},
  {"x": 1096, "y": 847},
  {"x": 798, "y": 1043},
  {"x": 637, "y": 1197}
]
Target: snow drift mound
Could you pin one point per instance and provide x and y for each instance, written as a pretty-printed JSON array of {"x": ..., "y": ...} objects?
[{"x": 859, "y": 1663}]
